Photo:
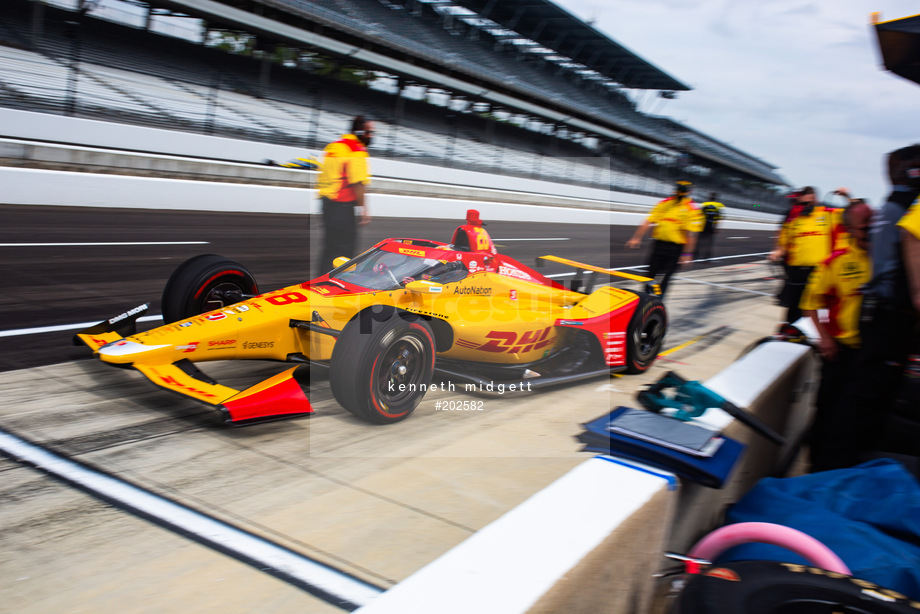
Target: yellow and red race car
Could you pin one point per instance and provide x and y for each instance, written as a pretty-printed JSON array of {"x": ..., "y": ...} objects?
[{"x": 383, "y": 323}]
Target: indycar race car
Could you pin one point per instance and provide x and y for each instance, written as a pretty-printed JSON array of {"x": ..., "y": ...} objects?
[{"x": 383, "y": 323}]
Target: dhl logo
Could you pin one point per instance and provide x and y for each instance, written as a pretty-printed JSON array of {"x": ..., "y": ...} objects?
[
  {"x": 412, "y": 252},
  {"x": 511, "y": 342},
  {"x": 171, "y": 382}
]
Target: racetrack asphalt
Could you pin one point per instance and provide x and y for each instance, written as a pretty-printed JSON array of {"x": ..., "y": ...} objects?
[
  {"x": 375, "y": 502},
  {"x": 68, "y": 265}
]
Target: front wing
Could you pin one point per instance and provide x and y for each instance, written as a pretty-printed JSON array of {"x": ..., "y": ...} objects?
[{"x": 281, "y": 396}]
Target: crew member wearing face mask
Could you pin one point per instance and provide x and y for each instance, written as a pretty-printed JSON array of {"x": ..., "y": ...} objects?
[
  {"x": 342, "y": 184},
  {"x": 675, "y": 223},
  {"x": 804, "y": 241}
]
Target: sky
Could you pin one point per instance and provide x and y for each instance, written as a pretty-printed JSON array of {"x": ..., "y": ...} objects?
[{"x": 798, "y": 84}]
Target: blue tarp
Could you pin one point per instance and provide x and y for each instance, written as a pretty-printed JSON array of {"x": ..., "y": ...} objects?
[
  {"x": 868, "y": 515},
  {"x": 710, "y": 472}
]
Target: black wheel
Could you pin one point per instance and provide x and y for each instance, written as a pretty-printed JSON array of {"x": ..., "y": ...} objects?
[
  {"x": 645, "y": 333},
  {"x": 381, "y": 369},
  {"x": 205, "y": 283},
  {"x": 768, "y": 587}
]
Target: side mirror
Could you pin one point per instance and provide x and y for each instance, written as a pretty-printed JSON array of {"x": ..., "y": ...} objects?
[
  {"x": 424, "y": 287},
  {"x": 339, "y": 261}
]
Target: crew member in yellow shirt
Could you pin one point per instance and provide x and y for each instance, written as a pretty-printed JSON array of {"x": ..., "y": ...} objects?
[
  {"x": 676, "y": 221},
  {"x": 835, "y": 286},
  {"x": 910, "y": 247},
  {"x": 804, "y": 241},
  {"x": 341, "y": 184}
]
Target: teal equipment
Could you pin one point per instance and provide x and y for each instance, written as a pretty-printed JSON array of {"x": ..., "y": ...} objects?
[{"x": 691, "y": 399}]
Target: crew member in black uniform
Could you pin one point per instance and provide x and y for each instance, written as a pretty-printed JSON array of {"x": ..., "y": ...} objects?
[{"x": 712, "y": 212}]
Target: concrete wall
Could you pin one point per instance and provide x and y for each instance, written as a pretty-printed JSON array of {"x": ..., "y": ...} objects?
[{"x": 556, "y": 553}]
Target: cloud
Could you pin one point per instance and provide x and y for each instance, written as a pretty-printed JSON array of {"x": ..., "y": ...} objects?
[{"x": 796, "y": 83}]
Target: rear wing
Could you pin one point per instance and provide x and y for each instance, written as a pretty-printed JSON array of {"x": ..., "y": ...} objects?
[{"x": 594, "y": 269}]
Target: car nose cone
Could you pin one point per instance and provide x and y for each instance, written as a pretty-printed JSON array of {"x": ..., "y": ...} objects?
[{"x": 123, "y": 347}]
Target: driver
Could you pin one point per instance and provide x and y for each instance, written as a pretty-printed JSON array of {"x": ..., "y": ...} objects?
[{"x": 442, "y": 273}]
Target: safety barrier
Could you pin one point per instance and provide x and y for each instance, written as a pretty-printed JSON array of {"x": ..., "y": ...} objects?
[{"x": 591, "y": 541}]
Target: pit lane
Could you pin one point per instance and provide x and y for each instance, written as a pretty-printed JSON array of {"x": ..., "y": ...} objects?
[{"x": 376, "y": 502}]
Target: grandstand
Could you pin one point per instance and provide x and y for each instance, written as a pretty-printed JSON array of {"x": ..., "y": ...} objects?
[{"x": 518, "y": 87}]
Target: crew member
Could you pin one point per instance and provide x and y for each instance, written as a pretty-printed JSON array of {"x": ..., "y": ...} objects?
[
  {"x": 804, "y": 241},
  {"x": 342, "y": 184},
  {"x": 712, "y": 213},
  {"x": 835, "y": 285},
  {"x": 676, "y": 221},
  {"x": 886, "y": 322},
  {"x": 910, "y": 242}
]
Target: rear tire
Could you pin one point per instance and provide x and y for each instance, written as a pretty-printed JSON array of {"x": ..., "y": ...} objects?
[
  {"x": 200, "y": 284},
  {"x": 368, "y": 367},
  {"x": 645, "y": 333}
]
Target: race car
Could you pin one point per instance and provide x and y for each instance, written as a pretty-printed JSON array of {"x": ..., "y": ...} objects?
[{"x": 383, "y": 323}]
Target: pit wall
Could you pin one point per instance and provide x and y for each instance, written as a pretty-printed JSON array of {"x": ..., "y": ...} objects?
[{"x": 591, "y": 541}]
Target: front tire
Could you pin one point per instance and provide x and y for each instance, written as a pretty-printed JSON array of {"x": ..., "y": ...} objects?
[
  {"x": 645, "y": 334},
  {"x": 205, "y": 283},
  {"x": 381, "y": 373}
]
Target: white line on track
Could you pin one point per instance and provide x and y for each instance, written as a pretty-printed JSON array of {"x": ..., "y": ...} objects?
[
  {"x": 543, "y": 239},
  {"x": 55, "y": 329},
  {"x": 109, "y": 244},
  {"x": 325, "y": 582}
]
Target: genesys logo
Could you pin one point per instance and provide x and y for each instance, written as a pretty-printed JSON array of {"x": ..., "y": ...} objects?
[{"x": 258, "y": 345}]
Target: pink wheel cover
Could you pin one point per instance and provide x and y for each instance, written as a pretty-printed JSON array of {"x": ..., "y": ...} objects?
[{"x": 805, "y": 545}]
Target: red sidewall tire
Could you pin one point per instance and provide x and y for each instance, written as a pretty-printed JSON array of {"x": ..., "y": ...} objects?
[
  {"x": 645, "y": 333},
  {"x": 368, "y": 368},
  {"x": 190, "y": 289}
]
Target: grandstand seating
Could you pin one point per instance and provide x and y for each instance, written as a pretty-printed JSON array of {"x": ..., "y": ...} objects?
[{"x": 128, "y": 74}]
